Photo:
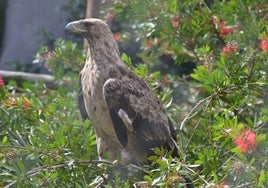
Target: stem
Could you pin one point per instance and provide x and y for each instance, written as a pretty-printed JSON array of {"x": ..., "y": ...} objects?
[
  {"x": 17, "y": 137},
  {"x": 194, "y": 110},
  {"x": 251, "y": 68}
]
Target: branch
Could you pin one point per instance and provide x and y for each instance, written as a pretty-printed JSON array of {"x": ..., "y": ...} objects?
[
  {"x": 194, "y": 110},
  {"x": 33, "y": 172},
  {"x": 18, "y": 137},
  {"x": 31, "y": 77}
]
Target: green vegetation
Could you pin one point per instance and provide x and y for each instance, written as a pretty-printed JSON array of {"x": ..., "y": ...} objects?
[{"x": 222, "y": 125}]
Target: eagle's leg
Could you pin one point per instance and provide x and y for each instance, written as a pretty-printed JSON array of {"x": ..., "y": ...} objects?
[{"x": 107, "y": 148}]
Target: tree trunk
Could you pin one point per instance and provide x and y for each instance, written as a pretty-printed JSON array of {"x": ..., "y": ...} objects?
[{"x": 92, "y": 11}]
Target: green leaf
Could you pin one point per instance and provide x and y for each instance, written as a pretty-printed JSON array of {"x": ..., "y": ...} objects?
[
  {"x": 147, "y": 178},
  {"x": 53, "y": 176},
  {"x": 126, "y": 59},
  {"x": 155, "y": 75},
  {"x": 263, "y": 179},
  {"x": 4, "y": 140}
]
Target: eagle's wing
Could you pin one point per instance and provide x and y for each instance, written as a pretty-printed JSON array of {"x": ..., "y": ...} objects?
[{"x": 135, "y": 109}]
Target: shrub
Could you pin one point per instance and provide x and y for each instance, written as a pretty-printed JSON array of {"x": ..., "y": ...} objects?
[{"x": 221, "y": 124}]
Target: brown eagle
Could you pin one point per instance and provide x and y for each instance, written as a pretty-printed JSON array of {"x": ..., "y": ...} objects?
[{"x": 128, "y": 118}]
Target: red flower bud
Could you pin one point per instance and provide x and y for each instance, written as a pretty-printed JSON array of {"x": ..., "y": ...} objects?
[
  {"x": 26, "y": 104},
  {"x": 229, "y": 49},
  {"x": 247, "y": 141},
  {"x": 226, "y": 30},
  {"x": 222, "y": 28},
  {"x": 175, "y": 22},
  {"x": 264, "y": 44},
  {"x": 1, "y": 81},
  {"x": 117, "y": 36}
]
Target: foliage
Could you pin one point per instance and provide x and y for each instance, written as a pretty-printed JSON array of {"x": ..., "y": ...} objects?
[
  {"x": 222, "y": 123},
  {"x": 228, "y": 43}
]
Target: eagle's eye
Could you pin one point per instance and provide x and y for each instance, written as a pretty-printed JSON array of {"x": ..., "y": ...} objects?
[{"x": 87, "y": 24}]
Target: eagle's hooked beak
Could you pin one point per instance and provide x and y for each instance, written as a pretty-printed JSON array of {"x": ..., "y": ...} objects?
[
  {"x": 69, "y": 28},
  {"x": 75, "y": 27}
]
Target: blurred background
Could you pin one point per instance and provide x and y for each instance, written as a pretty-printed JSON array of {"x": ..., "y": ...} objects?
[{"x": 25, "y": 26}]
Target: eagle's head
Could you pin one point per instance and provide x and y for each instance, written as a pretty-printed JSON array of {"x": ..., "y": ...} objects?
[
  {"x": 90, "y": 28},
  {"x": 98, "y": 35}
]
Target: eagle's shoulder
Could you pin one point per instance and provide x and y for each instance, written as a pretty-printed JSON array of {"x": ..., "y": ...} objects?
[{"x": 134, "y": 93}]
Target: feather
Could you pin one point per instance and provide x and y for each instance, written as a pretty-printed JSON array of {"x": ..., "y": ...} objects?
[
  {"x": 128, "y": 118},
  {"x": 140, "y": 112},
  {"x": 81, "y": 103},
  {"x": 120, "y": 128}
]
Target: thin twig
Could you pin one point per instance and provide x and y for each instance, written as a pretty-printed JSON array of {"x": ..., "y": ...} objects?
[
  {"x": 139, "y": 168},
  {"x": 37, "y": 170},
  {"x": 245, "y": 185},
  {"x": 192, "y": 135},
  {"x": 251, "y": 68},
  {"x": 190, "y": 139},
  {"x": 17, "y": 137},
  {"x": 97, "y": 162},
  {"x": 200, "y": 177},
  {"x": 194, "y": 110}
]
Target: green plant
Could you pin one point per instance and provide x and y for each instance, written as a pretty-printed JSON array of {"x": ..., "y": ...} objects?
[{"x": 221, "y": 124}]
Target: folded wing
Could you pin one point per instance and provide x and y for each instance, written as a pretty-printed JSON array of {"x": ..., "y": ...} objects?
[{"x": 134, "y": 109}]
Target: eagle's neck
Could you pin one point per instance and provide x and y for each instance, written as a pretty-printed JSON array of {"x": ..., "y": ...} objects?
[{"x": 102, "y": 50}]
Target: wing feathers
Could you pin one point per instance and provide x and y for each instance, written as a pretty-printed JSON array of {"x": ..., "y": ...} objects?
[
  {"x": 126, "y": 119},
  {"x": 134, "y": 109},
  {"x": 119, "y": 127}
]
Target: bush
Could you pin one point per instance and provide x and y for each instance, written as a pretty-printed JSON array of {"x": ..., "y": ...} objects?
[{"x": 222, "y": 123}]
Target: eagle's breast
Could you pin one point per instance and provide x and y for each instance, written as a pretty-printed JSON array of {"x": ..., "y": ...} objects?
[{"x": 92, "y": 82}]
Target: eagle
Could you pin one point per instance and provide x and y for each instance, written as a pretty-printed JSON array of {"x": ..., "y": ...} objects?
[{"x": 128, "y": 118}]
